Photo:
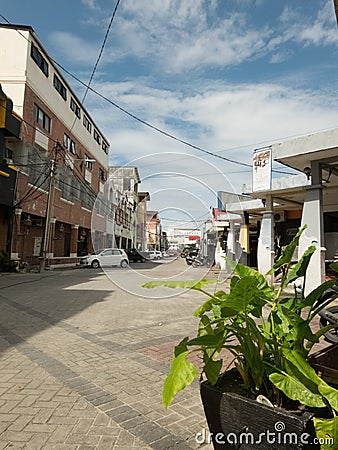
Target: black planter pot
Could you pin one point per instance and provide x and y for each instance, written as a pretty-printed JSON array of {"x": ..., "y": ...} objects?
[{"x": 237, "y": 422}]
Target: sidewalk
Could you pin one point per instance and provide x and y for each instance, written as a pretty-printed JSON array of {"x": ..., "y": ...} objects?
[{"x": 82, "y": 365}]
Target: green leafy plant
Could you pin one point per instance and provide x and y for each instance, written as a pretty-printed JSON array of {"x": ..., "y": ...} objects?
[{"x": 267, "y": 332}]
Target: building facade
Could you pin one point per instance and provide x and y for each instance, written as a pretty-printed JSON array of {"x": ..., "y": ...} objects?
[
  {"x": 62, "y": 154},
  {"x": 141, "y": 232},
  {"x": 310, "y": 197},
  {"x": 124, "y": 199},
  {"x": 10, "y": 125},
  {"x": 154, "y": 230},
  {"x": 178, "y": 238}
]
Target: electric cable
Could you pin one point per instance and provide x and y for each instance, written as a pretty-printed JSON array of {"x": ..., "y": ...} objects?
[
  {"x": 35, "y": 187},
  {"x": 169, "y": 135},
  {"x": 101, "y": 50},
  {"x": 157, "y": 129},
  {"x": 98, "y": 59},
  {"x": 32, "y": 190}
]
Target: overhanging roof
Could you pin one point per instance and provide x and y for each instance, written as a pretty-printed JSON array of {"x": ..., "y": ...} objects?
[{"x": 299, "y": 152}]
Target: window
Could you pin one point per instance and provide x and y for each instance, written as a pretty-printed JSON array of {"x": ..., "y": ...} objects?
[
  {"x": 69, "y": 143},
  {"x": 42, "y": 118},
  {"x": 39, "y": 59},
  {"x": 75, "y": 108},
  {"x": 97, "y": 137},
  {"x": 60, "y": 87},
  {"x": 8, "y": 153},
  {"x": 126, "y": 184},
  {"x": 88, "y": 162},
  {"x": 102, "y": 175},
  {"x": 87, "y": 123},
  {"x": 105, "y": 147}
]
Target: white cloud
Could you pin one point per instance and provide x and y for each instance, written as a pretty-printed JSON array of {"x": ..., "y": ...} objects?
[
  {"x": 184, "y": 35},
  {"x": 74, "y": 48},
  {"x": 321, "y": 31},
  {"x": 89, "y": 3},
  {"x": 229, "y": 120}
]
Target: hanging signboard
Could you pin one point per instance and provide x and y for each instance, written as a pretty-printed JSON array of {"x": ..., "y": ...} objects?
[{"x": 262, "y": 170}]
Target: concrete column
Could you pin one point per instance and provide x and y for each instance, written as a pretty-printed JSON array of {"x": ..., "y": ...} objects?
[
  {"x": 314, "y": 234},
  {"x": 244, "y": 240},
  {"x": 74, "y": 237},
  {"x": 231, "y": 243},
  {"x": 265, "y": 248},
  {"x": 16, "y": 235}
]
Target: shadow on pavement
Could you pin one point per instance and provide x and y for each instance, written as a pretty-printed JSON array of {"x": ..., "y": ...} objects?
[{"x": 30, "y": 303}]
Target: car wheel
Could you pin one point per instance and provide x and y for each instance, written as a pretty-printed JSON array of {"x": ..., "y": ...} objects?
[
  {"x": 124, "y": 263},
  {"x": 95, "y": 264}
]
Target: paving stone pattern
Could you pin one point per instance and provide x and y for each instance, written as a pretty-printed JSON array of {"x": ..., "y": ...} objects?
[{"x": 83, "y": 369}]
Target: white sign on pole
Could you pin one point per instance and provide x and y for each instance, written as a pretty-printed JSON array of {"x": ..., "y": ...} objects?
[{"x": 261, "y": 170}]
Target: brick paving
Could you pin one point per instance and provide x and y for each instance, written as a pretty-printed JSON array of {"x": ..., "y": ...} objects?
[{"x": 82, "y": 364}]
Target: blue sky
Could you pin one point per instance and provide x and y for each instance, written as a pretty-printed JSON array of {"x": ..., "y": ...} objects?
[{"x": 227, "y": 76}]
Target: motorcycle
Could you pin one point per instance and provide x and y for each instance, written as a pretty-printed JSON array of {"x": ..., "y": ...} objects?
[
  {"x": 191, "y": 257},
  {"x": 329, "y": 314},
  {"x": 202, "y": 261}
]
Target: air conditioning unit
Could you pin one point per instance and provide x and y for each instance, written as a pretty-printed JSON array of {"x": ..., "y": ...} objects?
[{"x": 279, "y": 217}]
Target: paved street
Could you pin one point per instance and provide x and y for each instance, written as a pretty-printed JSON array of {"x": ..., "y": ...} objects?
[{"x": 83, "y": 360}]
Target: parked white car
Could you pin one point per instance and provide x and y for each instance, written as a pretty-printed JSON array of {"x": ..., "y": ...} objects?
[
  {"x": 107, "y": 257},
  {"x": 151, "y": 254},
  {"x": 154, "y": 254}
]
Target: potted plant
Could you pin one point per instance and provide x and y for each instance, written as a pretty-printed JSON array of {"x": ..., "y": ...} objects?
[{"x": 269, "y": 386}]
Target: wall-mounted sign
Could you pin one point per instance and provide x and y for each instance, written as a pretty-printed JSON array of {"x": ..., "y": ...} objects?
[{"x": 261, "y": 170}]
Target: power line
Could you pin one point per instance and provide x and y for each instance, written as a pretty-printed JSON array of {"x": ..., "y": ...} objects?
[
  {"x": 165, "y": 133},
  {"x": 144, "y": 122},
  {"x": 97, "y": 60},
  {"x": 149, "y": 125},
  {"x": 101, "y": 50},
  {"x": 153, "y": 164},
  {"x": 31, "y": 191}
]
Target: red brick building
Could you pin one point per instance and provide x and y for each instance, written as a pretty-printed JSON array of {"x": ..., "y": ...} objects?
[{"x": 60, "y": 147}]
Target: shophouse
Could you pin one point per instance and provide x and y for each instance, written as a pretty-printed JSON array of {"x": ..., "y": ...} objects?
[
  {"x": 141, "y": 232},
  {"x": 9, "y": 130},
  {"x": 281, "y": 206},
  {"x": 180, "y": 238},
  {"x": 124, "y": 197},
  {"x": 62, "y": 154},
  {"x": 154, "y": 231}
]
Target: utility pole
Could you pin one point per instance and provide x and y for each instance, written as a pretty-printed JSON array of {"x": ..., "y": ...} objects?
[{"x": 49, "y": 209}]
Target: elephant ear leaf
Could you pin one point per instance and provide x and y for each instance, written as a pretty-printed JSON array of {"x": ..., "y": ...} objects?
[
  {"x": 327, "y": 432},
  {"x": 299, "y": 269},
  {"x": 182, "y": 373},
  {"x": 287, "y": 254},
  {"x": 296, "y": 390}
]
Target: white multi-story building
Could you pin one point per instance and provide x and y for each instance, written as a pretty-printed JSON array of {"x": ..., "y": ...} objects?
[
  {"x": 178, "y": 238},
  {"x": 123, "y": 189}
]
